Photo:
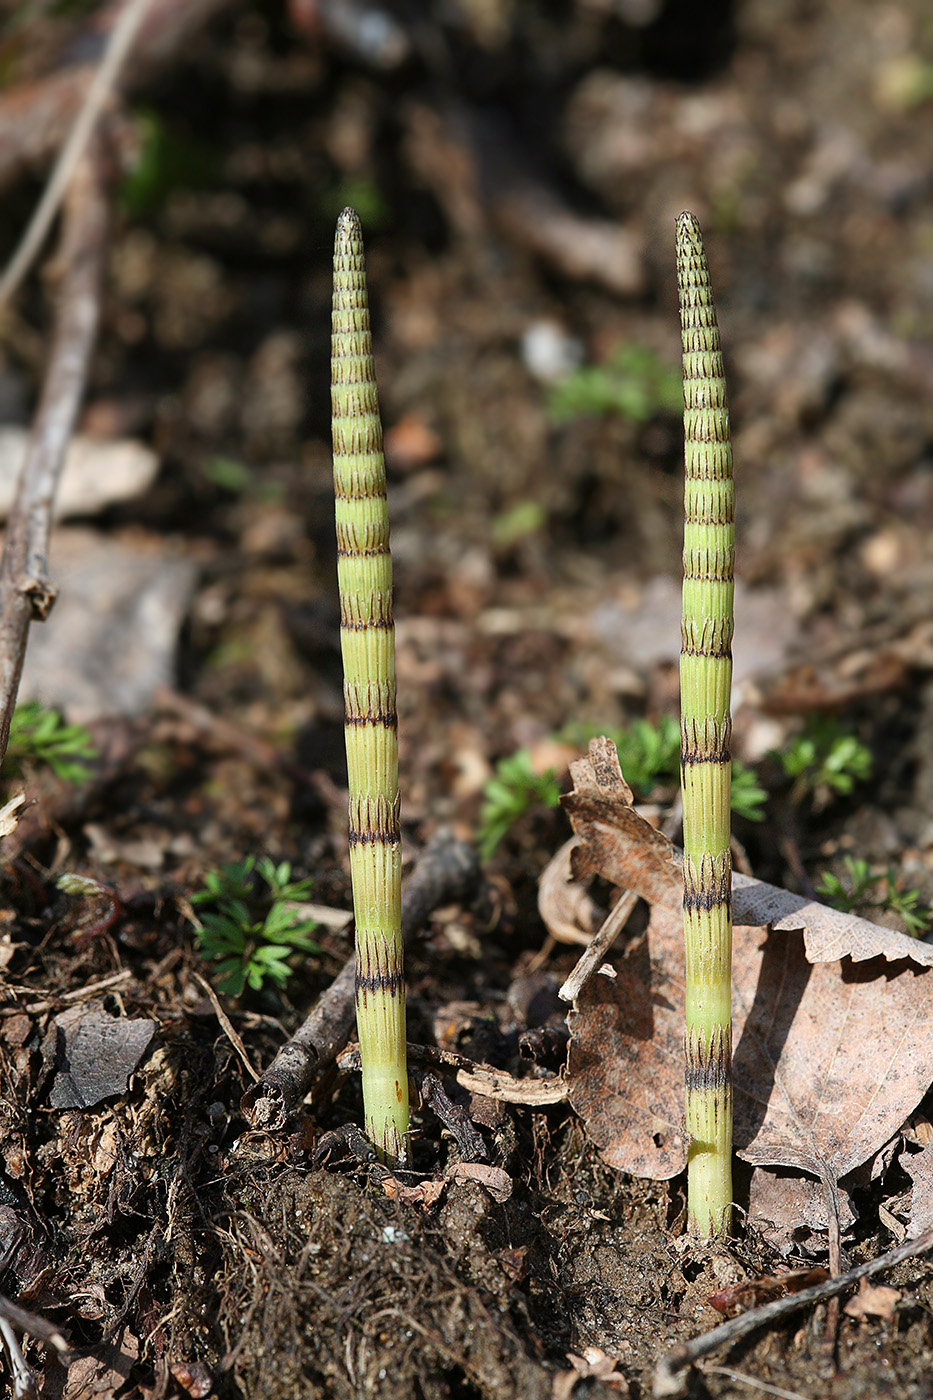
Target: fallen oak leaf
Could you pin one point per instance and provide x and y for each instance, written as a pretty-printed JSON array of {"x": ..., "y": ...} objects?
[
  {"x": 829, "y": 1059},
  {"x": 828, "y": 934},
  {"x": 617, "y": 843}
]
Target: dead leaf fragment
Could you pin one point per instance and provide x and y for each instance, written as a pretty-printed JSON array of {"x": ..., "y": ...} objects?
[
  {"x": 752, "y": 1292},
  {"x": 98, "y": 1376},
  {"x": 594, "y": 1364},
  {"x": 10, "y": 814},
  {"x": 782, "y": 1205},
  {"x": 873, "y": 1300},
  {"x": 567, "y": 911},
  {"x": 919, "y": 1167},
  {"x": 425, "y": 1193},
  {"x": 496, "y": 1181}
]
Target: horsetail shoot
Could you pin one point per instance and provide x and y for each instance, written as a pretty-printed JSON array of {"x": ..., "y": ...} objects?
[
  {"x": 368, "y": 649},
  {"x": 367, "y": 643},
  {"x": 706, "y": 731}
]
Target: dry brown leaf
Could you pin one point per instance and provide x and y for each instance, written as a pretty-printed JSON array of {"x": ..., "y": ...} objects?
[
  {"x": 781, "y": 1202},
  {"x": 829, "y": 1059},
  {"x": 873, "y": 1300},
  {"x": 496, "y": 1181},
  {"x": 802, "y": 1100},
  {"x": 752, "y": 1292},
  {"x": 919, "y": 1167},
  {"x": 618, "y": 844},
  {"x": 567, "y": 911},
  {"x": 96, "y": 1376},
  {"x": 10, "y": 815}
]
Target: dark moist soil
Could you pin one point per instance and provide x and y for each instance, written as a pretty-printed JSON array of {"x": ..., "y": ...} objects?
[{"x": 187, "y": 1253}]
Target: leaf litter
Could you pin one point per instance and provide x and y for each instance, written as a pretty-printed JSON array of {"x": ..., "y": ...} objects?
[{"x": 832, "y": 1014}]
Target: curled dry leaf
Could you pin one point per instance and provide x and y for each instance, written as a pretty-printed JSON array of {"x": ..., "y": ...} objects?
[
  {"x": 567, "y": 911},
  {"x": 829, "y": 1058},
  {"x": 919, "y": 1167}
]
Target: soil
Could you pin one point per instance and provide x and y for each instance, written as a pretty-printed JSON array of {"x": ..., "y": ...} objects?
[{"x": 536, "y": 567}]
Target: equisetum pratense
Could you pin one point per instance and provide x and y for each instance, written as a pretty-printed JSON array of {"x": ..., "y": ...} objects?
[
  {"x": 706, "y": 733},
  {"x": 367, "y": 640}
]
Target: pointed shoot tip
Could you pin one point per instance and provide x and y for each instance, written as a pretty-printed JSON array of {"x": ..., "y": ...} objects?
[{"x": 688, "y": 228}]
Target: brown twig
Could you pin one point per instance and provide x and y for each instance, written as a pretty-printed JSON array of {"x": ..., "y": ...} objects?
[
  {"x": 26, "y": 594},
  {"x": 35, "y": 120},
  {"x": 615, "y": 921},
  {"x": 667, "y": 1379},
  {"x": 99, "y": 90},
  {"x": 447, "y": 873}
]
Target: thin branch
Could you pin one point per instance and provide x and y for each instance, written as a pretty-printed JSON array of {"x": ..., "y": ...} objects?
[
  {"x": 25, "y": 591},
  {"x": 102, "y": 85},
  {"x": 36, "y": 117},
  {"x": 613, "y": 925},
  {"x": 667, "y": 1379}
]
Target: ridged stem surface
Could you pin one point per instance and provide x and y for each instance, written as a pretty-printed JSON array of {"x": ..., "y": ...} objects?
[
  {"x": 367, "y": 640},
  {"x": 706, "y": 732}
]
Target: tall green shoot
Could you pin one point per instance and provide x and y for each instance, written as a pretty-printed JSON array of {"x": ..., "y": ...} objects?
[
  {"x": 367, "y": 640},
  {"x": 706, "y": 733}
]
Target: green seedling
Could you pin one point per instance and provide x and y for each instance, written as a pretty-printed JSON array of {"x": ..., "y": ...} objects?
[
  {"x": 167, "y": 160},
  {"x": 40, "y": 737},
  {"x": 367, "y": 644},
  {"x": 231, "y": 475},
  {"x": 748, "y": 796},
  {"x": 706, "y": 731},
  {"x": 872, "y": 891},
  {"x": 514, "y": 789},
  {"x": 634, "y": 384},
  {"x": 249, "y": 926},
  {"x": 648, "y": 752},
  {"x": 824, "y": 762},
  {"x": 517, "y": 523}
]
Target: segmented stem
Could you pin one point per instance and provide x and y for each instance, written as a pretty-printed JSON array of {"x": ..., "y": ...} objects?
[
  {"x": 706, "y": 732},
  {"x": 367, "y": 642}
]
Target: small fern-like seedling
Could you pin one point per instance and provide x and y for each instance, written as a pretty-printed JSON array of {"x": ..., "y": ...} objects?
[
  {"x": 40, "y": 737},
  {"x": 249, "y": 927},
  {"x": 748, "y": 796},
  {"x": 634, "y": 384},
  {"x": 514, "y": 789},
  {"x": 869, "y": 891},
  {"x": 825, "y": 761}
]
